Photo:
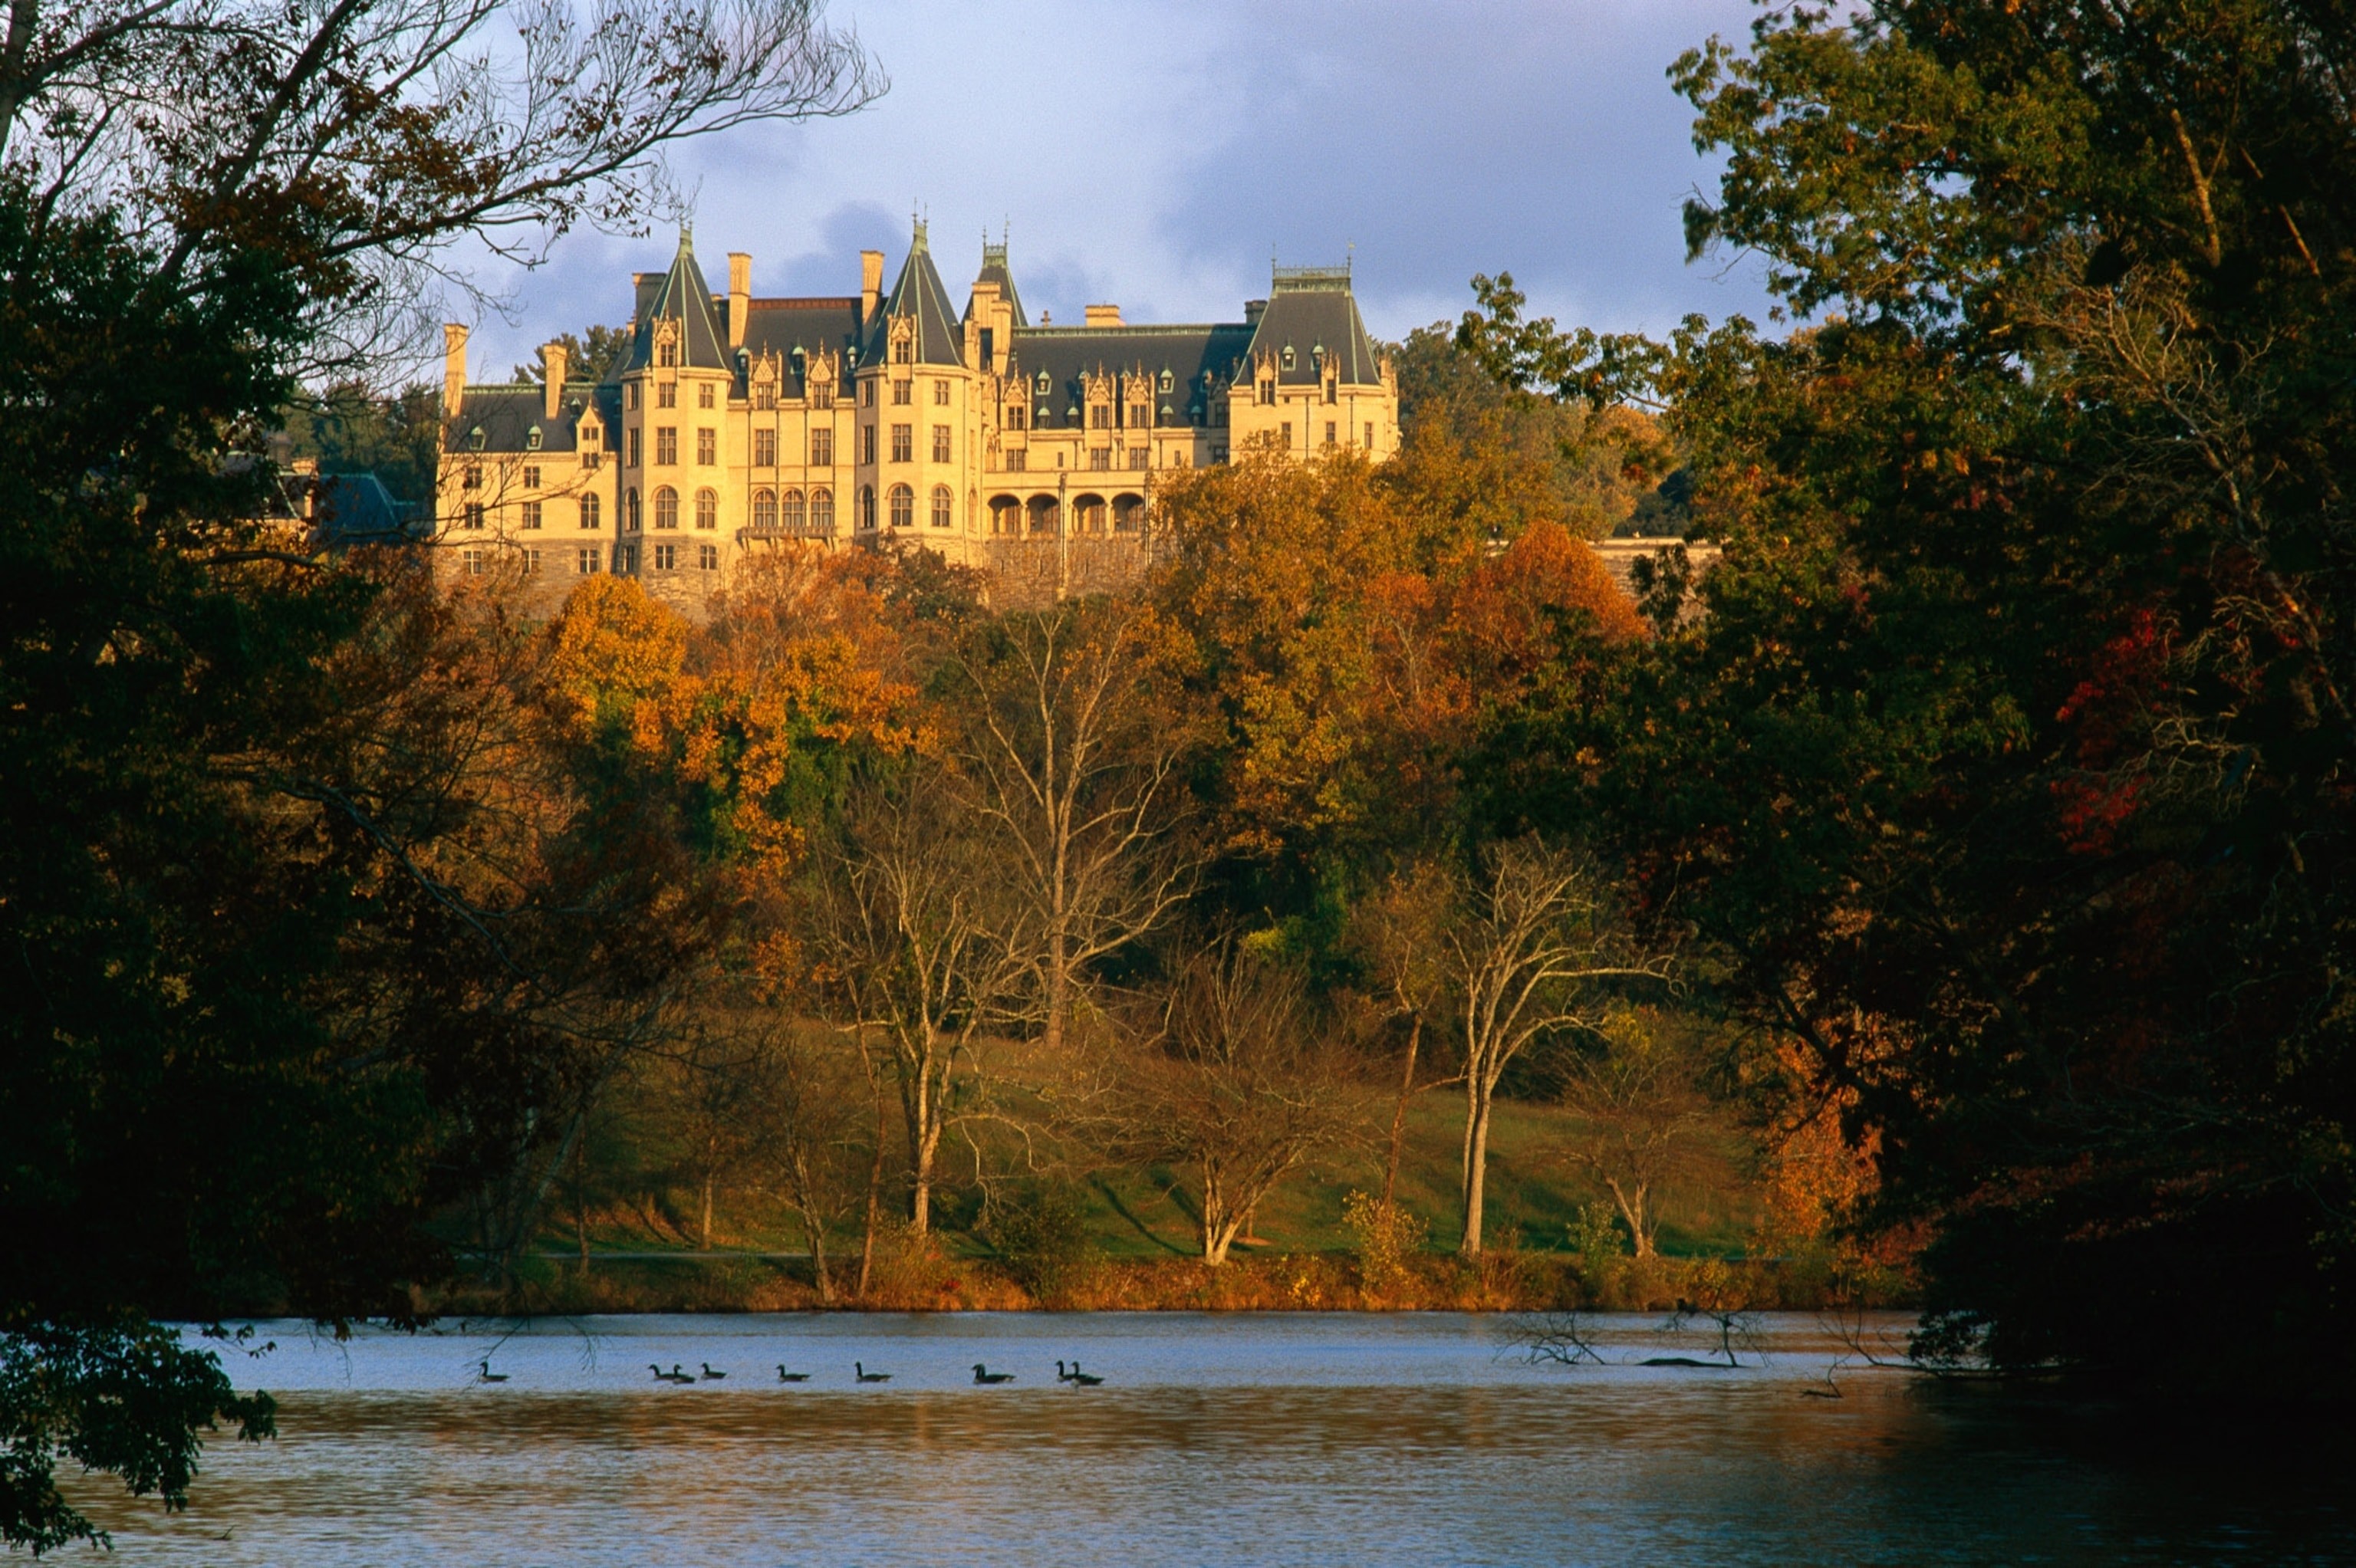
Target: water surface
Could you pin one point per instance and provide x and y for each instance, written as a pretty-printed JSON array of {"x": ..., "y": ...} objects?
[{"x": 1234, "y": 1438}]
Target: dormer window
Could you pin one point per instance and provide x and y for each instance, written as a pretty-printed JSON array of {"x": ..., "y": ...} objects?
[
  {"x": 1168, "y": 384},
  {"x": 532, "y": 438},
  {"x": 1043, "y": 383},
  {"x": 474, "y": 438},
  {"x": 1288, "y": 356}
]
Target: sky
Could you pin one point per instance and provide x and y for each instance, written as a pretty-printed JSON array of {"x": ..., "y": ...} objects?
[{"x": 1158, "y": 154}]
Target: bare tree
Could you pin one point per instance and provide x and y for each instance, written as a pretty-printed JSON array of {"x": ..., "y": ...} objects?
[
  {"x": 1638, "y": 1091},
  {"x": 1398, "y": 933},
  {"x": 1232, "y": 1079},
  {"x": 358, "y": 139},
  {"x": 1073, "y": 755},
  {"x": 1529, "y": 942},
  {"x": 921, "y": 948}
]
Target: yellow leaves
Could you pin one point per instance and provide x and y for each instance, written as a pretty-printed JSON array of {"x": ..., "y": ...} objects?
[{"x": 611, "y": 653}]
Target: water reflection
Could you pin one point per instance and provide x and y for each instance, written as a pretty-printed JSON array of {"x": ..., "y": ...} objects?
[{"x": 1287, "y": 1439}]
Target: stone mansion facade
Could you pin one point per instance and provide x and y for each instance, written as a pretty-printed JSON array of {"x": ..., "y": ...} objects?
[{"x": 734, "y": 422}]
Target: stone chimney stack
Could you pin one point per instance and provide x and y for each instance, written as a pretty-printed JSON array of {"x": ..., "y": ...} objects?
[
  {"x": 1104, "y": 315},
  {"x": 740, "y": 296},
  {"x": 558, "y": 359},
  {"x": 454, "y": 369},
  {"x": 871, "y": 284}
]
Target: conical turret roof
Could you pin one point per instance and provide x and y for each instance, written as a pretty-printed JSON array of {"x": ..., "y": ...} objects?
[
  {"x": 680, "y": 294},
  {"x": 918, "y": 296}
]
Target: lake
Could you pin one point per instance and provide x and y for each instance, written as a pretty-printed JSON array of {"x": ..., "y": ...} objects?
[{"x": 1228, "y": 1439}]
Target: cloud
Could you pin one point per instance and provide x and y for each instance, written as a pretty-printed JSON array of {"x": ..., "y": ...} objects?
[{"x": 1157, "y": 153}]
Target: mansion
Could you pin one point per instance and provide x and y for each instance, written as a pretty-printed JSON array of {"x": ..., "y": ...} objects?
[{"x": 733, "y": 422}]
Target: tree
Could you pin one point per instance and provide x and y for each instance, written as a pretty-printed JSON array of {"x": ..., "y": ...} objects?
[
  {"x": 1646, "y": 1120},
  {"x": 1074, "y": 756},
  {"x": 1524, "y": 950},
  {"x": 1233, "y": 1080},
  {"x": 599, "y": 359},
  {"x": 2009, "y": 762},
  {"x": 917, "y": 939}
]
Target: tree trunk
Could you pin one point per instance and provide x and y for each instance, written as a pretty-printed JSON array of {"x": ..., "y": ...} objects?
[
  {"x": 874, "y": 1192},
  {"x": 705, "y": 1231},
  {"x": 1219, "y": 1228},
  {"x": 1059, "y": 990},
  {"x": 816, "y": 1232},
  {"x": 1476, "y": 1161},
  {"x": 1634, "y": 1208},
  {"x": 1399, "y": 1113}
]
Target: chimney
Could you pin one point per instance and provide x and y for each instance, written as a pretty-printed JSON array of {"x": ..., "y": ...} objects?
[
  {"x": 1103, "y": 315},
  {"x": 871, "y": 284},
  {"x": 740, "y": 296},
  {"x": 454, "y": 369},
  {"x": 558, "y": 361}
]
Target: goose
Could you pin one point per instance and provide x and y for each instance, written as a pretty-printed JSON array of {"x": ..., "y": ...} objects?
[
  {"x": 708, "y": 1375},
  {"x": 1061, "y": 1375},
  {"x": 785, "y": 1377},
  {"x": 860, "y": 1370},
  {"x": 672, "y": 1376},
  {"x": 982, "y": 1374},
  {"x": 1083, "y": 1379},
  {"x": 484, "y": 1375}
]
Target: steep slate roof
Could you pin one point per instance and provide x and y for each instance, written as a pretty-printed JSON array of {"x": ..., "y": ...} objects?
[
  {"x": 507, "y": 415},
  {"x": 356, "y": 509},
  {"x": 781, "y": 326},
  {"x": 1067, "y": 353},
  {"x": 940, "y": 338},
  {"x": 995, "y": 271},
  {"x": 1308, "y": 309},
  {"x": 683, "y": 295}
]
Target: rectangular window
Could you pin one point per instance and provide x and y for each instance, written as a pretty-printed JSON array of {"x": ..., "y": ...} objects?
[
  {"x": 1100, "y": 417},
  {"x": 626, "y": 557},
  {"x": 903, "y": 442},
  {"x": 704, "y": 395},
  {"x": 1370, "y": 438},
  {"x": 634, "y": 447},
  {"x": 666, "y": 395},
  {"x": 1017, "y": 460},
  {"x": 765, "y": 449},
  {"x": 940, "y": 394},
  {"x": 1329, "y": 433},
  {"x": 866, "y": 394},
  {"x": 589, "y": 460},
  {"x": 707, "y": 556},
  {"x": 531, "y": 478},
  {"x": 989, "y": 350},
  {"x": 1100, "y": 457},
  {"x": 900, "y": 392},
  {"x": 1016, "y": 416},
  {"x": 667, "y": 445},
  {"x": 707, "y": 446},
  {"x": 1288, "y": 435},
  {"x": 630, "y": 397},
  {"x": 532, "y": 514},
  {"x": 1137, "y": 457},
  {"x": 472, "y": 479},
  {"x": 867, "y": 443},
  {"x": 665, "y": 557},
  {"x": 764, "y": 396},
  {"x": 472, "y": 516},
  {"x": 940, "y": 444},
  {"x": 531, "y": 563},
  {"x": 1140, "y": 416},
  {"x": 585, "y": 562},
  {"x": 822, "y": 447},
  {"x": 473, "y": 559}
]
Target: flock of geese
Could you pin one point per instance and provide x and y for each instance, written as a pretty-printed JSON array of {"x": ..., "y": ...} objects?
[{"x": 982, "y": 1375}]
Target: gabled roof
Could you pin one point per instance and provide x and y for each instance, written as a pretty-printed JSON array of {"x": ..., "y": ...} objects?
[
  {"x": 1068, "y": 353},
  {"x": 680, "y": 294},
  {"x": 782, "y": 326},
  {"x": 1309, "y": 309},
  {"x": 995, "y": 271},
  {"x": 506, "y": 416},
  {"x": 918, "y": 293}
]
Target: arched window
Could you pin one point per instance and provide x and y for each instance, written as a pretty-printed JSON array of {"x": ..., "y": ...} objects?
[
  {"x": 765, "y": 508},
  {"x": 1088, "y": 515},
  {"x": 944, "y": 506},
  {"x": 1127, "y": 513},
  {"x": 793, "y": 511},
  {"x": 904, "y": 507},
  {"x": 867, "y": 507},
  {"x": 589, "y": 513},
  {"x": 822, "y": 511},
  {"x": 666, "y": 507},
  {"x": 1005, "y": 515},
  {"x": 630, "y": 508},
  {"x": 707, "y": 508}
]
